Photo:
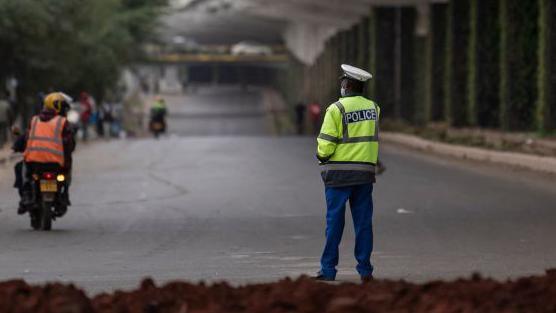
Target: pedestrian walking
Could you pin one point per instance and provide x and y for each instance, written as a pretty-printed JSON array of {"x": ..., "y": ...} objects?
[
  {"x": 315, "y": 114},
  {"x": 348, "y": 154},
  {"x": 300, "y": 117},
  {"x": 4, "y": 120},
  {"x": 86, "y": 111}
]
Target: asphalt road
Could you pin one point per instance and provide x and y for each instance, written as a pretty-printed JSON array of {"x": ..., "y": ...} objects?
[{"x": 211, "y": 205}]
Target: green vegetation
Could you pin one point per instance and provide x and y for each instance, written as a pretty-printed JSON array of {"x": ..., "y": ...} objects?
[
  {"x": 457, "y": 63},
  {"x": 409, "y": 75},
  {"x": 482, "y": 63},
  {"x": 483, "y": 54},
  {"x": 437, "y": 61},
  {"x": 421, "y": 67},
  {"x": 372, "y": 61},
  {"x": 518, "y": 63},
  {"x": 546, "y": 107},
  {"x": 72, "y": 45},
  {"x": 384, "y": 32}
]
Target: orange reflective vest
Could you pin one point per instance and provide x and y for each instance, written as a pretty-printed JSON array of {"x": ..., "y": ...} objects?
[{"x": 45, "y": 144}]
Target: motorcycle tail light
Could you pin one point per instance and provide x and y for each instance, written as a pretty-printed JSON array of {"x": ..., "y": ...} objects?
[
  {"x": 48, "y": 176},
  {"x": 60, "y": 178}
]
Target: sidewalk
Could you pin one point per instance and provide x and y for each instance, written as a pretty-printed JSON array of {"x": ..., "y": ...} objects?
[
  {"x": 537, "y": 163},
  {"x": 6, "y": 155}
]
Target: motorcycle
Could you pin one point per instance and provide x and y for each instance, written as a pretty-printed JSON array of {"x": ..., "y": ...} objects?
[
  {"x": 48, "y": 188},
  {"x": 157, "y": 127}
]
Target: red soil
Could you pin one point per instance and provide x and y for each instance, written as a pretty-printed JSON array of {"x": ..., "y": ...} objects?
[{"x": 531, "y": 294}]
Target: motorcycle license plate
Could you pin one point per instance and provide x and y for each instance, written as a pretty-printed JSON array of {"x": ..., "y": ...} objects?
[
  {"x": 157, "y": 126},
  {"x": 49, "y": 186}
]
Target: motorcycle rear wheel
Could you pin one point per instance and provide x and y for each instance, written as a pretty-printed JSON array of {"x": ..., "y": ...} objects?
[
  {"x": 46, "y": 217},
  {"x": 35, "y": 220}
]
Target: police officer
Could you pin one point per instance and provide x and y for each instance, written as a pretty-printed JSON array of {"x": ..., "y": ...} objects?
[{"x": 348, "y": 155}]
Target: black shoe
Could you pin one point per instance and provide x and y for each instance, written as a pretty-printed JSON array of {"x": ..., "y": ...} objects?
[
  {"x": 65, "y": 201},
  {"x": 321, "y": 277},
  {"x": 22, "y": 209},
  {"x": 60, "y": 211},
  {"x": 367, "y": 278},
  {"x": 26, "y": 199}
]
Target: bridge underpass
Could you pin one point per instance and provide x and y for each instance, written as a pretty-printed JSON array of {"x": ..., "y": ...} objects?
[{"x": 181, "y": 72}]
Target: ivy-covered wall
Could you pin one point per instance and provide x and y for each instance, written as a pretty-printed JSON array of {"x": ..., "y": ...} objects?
[
  {"x": 383, "y": 51},
  {"x": 421, "y": 68},
  {"x": 354, "y": 45},
  {"x": 483, "y": 67},
  {"x": 546, "y": 107},
  {"x": 518, "y": 63},
  {"x": 363, "y": 58},
  {"x": 485, "y": 63},
  {"x": 437, "y": 61},
  {"x": 457, "y": 38},
  {"x": 372, "y": 29},
  {"x": 409, "y": 75}
]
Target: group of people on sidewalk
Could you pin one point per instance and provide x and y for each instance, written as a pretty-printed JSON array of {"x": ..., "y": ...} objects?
[{"x": 100, "y": 116}]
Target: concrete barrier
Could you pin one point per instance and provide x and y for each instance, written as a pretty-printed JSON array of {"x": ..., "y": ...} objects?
[{"x": 521, "y": 160}]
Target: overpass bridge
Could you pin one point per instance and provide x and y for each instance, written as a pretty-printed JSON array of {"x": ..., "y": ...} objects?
[
  {"x": 272, "y": 60},
  {"x": 303, "y": 25},
  {"x": 174, "y": 72}
]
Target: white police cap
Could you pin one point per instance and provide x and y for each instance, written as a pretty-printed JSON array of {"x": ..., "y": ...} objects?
[{"x": 356, "y": 73}]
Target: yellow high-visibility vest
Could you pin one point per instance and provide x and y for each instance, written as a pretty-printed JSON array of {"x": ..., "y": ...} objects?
[{"x": 348, "y": 141}]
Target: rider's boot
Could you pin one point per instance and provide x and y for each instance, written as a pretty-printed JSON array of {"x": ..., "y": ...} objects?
[
  {"x": 26, "y": 198},
  {"x": 21, "y": 209},
  {"x": 65, "y": 199}
]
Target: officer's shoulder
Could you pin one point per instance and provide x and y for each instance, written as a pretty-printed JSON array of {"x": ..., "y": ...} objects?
[
  {"x": 373, "y": 102},
  {"x": 333, "y": 107}
]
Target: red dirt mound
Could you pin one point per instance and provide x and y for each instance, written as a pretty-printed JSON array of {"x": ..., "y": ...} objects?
[{"x": 532, "y": 294}]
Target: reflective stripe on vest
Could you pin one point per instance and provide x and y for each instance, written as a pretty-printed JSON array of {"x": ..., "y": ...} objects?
[
  {"x": 348, "y": 167},
  {"x": 45, "y": 144}
]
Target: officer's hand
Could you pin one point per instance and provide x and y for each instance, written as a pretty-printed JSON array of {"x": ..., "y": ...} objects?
[
  {"x": 380, "y": 168},
  {"x": 322, "y": 160}
]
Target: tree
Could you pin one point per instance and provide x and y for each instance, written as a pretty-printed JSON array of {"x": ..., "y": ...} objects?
[{"x": 73, "y": 45}]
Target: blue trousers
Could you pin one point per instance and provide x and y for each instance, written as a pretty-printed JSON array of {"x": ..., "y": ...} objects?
[{"x": 361, "y": 204}]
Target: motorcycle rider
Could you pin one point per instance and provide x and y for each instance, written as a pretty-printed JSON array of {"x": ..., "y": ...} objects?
[
  {"x": 47, "y": 146},
  {"x": 158, "y": 113}
]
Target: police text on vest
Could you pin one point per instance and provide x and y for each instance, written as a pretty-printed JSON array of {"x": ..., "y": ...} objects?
[{"x": 360, "y": 116}]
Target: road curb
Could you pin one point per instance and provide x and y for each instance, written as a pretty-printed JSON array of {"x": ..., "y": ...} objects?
[{"x": 526, "y": 161}]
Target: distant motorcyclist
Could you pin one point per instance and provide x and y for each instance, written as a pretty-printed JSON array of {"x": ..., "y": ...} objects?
[
  {"x": 158, "y": 114},
  {"x": 47, "y": 146}
]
